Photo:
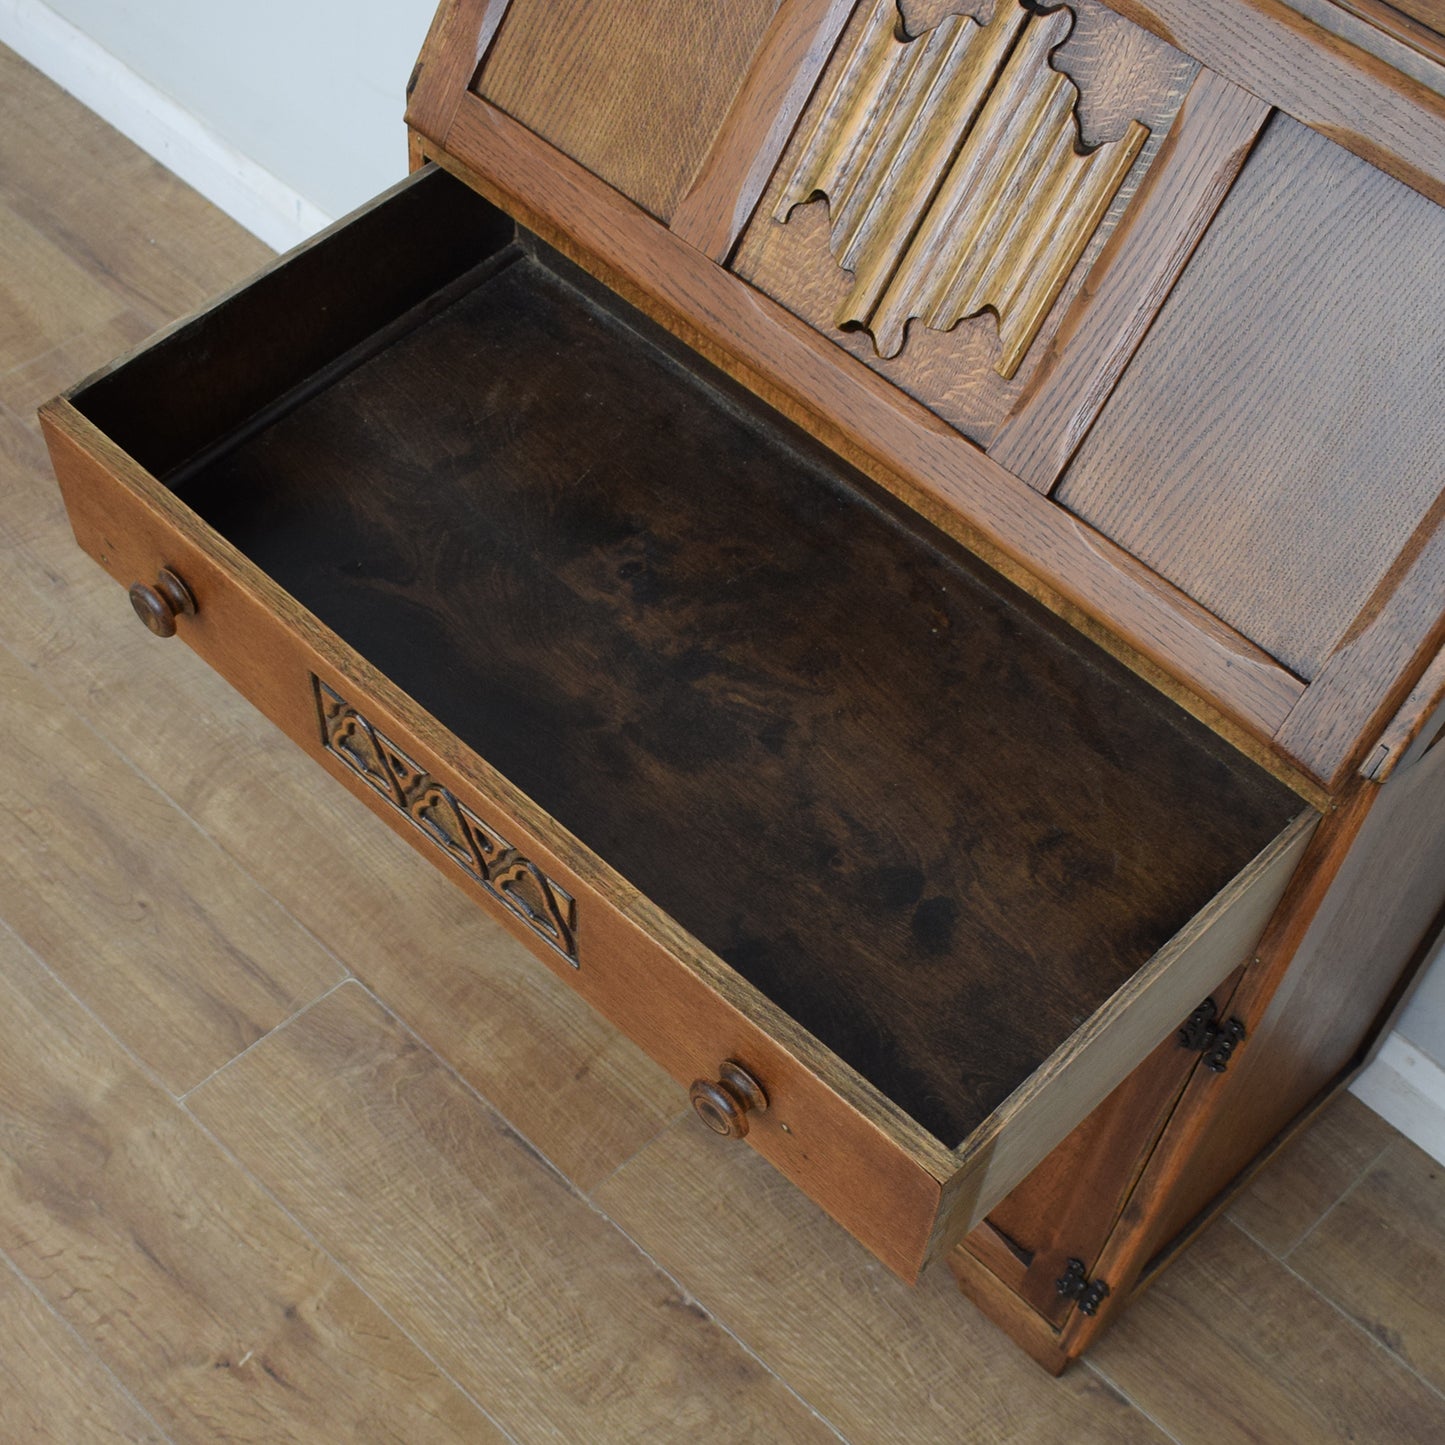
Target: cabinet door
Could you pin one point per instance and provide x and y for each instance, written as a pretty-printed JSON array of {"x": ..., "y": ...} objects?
[{"x": 1066, "y": 1209}]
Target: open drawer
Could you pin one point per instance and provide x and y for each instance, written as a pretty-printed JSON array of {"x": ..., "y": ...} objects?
[{"x": 816, "y": 808}]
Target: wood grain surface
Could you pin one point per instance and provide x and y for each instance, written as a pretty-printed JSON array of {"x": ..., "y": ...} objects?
[
  {"x": 1356, "y": 99},
  {"x": 1220, "y": 1327},
  {"x": 173, "y": 943},
  {"x": 52, "y": 1387},
  {"x": 343, "y": 1106},
  {"x": 1198, "y": 161},
  {"x": 1305, "y": 462},
  {"x": 204, "y": 1300},
  {"x": 1285, "y": 1202},
  {"x": 892, "y": 1364},
  {"x": 712, "y": 214},
  {"x": 635, "y": 90},
  {"x": 1381, "y": 1250}
]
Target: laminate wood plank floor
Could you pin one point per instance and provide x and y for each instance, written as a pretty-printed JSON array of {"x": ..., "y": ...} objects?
[{"x": 296, "y": 1145}]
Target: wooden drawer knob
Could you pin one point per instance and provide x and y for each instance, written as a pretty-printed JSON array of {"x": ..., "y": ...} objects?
[
  {"x": 724, "y": 1104},
  {"x": 159, "y": 606}
]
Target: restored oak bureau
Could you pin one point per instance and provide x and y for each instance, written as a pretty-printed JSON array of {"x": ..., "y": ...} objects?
[{"x": 900, "y": 547}]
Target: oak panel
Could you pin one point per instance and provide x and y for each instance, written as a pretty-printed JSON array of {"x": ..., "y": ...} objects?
[
  {"x": 479, "y": 1249},
  {"x": 170, "y": 1262},
  {"x": 1208, "y": 143},
  {"x": 1307, "y": 456},
  {"x": 636, "y": 90},
  {"x": 1124, "y": 77},
  {"x": 720, "y": 199}
]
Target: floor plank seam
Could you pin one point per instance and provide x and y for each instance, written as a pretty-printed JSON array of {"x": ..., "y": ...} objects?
[
  {"x": 1364, "y": 1330},
  {"x": 311, "y": 1238},
  {"x": 121, "y": 1388},
  {"x": 1338, "y": 1200},
  {"x": 722, "y": 1324},
  {"x": 269, "y": 1034},
  {"x": 146, "y": 1070},
  {"x": 567, "y": 1183},
  {"x": 217, "y": 841},
  {"x": 1104, "y": 1378},
  {"x": 641, "y": 1149}
]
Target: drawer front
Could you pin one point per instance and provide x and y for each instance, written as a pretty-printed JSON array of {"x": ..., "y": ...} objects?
[
  {"x": 901, "y": 1192},
  {"x": 880, "y": 1177}
]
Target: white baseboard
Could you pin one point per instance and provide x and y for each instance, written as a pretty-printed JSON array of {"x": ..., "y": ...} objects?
[
  {"x": 1407, "y": 1089},
  {"x": 185, "y": 144}
]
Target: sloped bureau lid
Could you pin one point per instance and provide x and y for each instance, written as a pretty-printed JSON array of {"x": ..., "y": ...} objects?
[{"x": 1004, "y": 258}]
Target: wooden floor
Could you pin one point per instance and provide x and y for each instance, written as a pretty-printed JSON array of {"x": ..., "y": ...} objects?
[{"x": 298, "y": 1147}]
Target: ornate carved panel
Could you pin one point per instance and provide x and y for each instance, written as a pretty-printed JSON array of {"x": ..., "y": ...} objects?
[
  {"x": 474, "y": 846},
  {"x": 954, "y": 172}
]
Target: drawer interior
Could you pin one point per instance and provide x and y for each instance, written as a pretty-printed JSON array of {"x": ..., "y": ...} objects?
[{"x": 909, "y": 805}]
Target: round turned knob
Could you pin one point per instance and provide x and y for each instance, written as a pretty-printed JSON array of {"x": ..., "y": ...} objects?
[
  {"x": 160, "y": 605},
  {"x": 724, "y": 1104}
]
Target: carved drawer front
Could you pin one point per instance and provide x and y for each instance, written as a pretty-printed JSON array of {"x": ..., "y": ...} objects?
[{"x": 753, "y": 766}]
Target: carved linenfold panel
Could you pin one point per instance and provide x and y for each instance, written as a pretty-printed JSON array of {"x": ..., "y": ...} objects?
[
  {"x": 954, "y": 174},
  {"x": 478, "y": 849}
]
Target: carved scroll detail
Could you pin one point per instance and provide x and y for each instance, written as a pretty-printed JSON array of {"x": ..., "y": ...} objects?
[
  {"x": 952, "y": 168},
  {"x": 474, "y": 846}
]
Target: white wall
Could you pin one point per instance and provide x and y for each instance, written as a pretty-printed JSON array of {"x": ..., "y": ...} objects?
[
  {"x": 298, "y": 102},
  {"x": 1406, "y": 1081}
]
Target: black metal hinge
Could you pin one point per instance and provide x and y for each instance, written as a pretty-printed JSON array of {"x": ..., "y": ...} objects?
[
  {"x": 1075, "y": 1284},
  {"x": 1204, "y": 1033}
]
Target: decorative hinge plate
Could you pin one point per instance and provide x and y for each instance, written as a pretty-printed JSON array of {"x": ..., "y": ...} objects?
[
  {"x": 1217, "y": 1041},
  {"x": 1075, "y": 1284}
]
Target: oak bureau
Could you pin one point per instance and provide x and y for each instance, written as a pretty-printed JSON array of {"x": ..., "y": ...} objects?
[{"x": 898, "y": 544}]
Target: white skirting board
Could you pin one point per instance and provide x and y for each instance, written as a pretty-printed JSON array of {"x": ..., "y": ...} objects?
[
  {"x": 1407, "y": 1089},
  {"x": 245, "y": 191}
]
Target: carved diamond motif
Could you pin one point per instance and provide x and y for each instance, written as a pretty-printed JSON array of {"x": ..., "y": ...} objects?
[{"x": 513, "y": 881}]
